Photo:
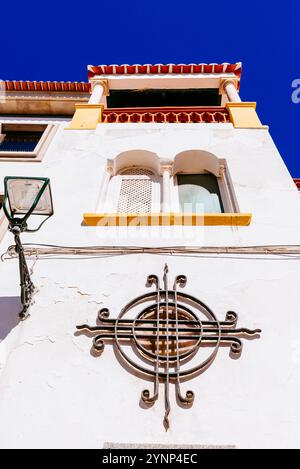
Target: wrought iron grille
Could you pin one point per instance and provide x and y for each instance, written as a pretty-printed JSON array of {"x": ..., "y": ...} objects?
[{"x": 172, "y": 337}]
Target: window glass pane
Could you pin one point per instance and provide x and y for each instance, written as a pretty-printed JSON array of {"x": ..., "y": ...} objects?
[
  {"x": 199, "y": 193},
  {"x": 20, "y": 141}
]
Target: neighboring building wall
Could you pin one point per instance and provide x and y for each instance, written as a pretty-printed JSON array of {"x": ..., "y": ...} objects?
[{"x": 53, "y": 393}]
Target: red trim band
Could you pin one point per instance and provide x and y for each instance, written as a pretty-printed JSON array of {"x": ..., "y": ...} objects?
[
  {"x": 149, "y": 69},
  {"x": 46, "y": 86}
]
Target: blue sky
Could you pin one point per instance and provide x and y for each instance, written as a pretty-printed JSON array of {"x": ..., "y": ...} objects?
[{"x": 56, "y": 40}]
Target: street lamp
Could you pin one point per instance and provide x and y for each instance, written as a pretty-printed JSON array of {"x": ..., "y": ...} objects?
[{"x": 23, "y": 197}]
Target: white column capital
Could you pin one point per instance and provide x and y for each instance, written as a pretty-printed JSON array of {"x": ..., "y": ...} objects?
[
  {"x": 110, "y": 167},
  {"x": 224, "y": 82},
  {"x": 166, "y": 168},
  {"x": 103, "y": 82},
  {"x": 222, "y": 171},
  {"x": 166, "y": 165},
  {"x": 229, "y": 86}
]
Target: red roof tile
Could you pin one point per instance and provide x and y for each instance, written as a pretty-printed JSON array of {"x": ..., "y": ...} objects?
[
  {"x": 149, "y": 69},
  {"x": 297, "y": 182},
  {"x": 46, "y": 86}
]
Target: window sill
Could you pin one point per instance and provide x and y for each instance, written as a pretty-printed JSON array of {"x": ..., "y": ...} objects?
[
  {"x": 167, "y": 219},
  {"x": 18, "y": 156}
]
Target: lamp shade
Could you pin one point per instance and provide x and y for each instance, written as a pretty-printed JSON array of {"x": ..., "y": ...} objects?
[{"x": 27, "y": 196}]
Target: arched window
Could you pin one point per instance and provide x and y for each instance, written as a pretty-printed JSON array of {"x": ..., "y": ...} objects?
[
  {"x": 195, "y": 181},
  {"x": 198, "y": 193},
  {"x": 134, "y": 190},
  {"x": 201, "y": 184}
]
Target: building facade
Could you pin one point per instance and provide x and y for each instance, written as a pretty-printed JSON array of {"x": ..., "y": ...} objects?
[{"x": 175, "y": 212}]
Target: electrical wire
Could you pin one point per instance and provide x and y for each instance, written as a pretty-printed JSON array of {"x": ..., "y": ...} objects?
[{"x": 43, "y": 250}]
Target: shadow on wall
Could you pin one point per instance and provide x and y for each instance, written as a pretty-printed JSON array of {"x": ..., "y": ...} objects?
[{"x": 10, "y": 307}]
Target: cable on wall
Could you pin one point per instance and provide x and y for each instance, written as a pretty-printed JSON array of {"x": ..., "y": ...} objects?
[{"x": 48, "y": 250}]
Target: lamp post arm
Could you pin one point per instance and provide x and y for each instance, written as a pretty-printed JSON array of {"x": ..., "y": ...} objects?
[
  {"x": 26, "y": 284},
  {"x": 19, "y": 191},
  {"x": 40, "y": 225}
]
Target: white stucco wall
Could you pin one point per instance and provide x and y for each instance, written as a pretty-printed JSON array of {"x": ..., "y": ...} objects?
[{"x": 53, "y": 393}]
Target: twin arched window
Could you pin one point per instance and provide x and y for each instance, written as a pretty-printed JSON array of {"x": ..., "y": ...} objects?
[
  {"x": 141, "y": 190},
  {"x": 195, "y": 181}
]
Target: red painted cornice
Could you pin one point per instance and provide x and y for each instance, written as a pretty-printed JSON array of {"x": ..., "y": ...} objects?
[
  {"x": 159, "y": 69},
  {"x": 45, "y": 86},
  {"x": 297, "y": 182}
]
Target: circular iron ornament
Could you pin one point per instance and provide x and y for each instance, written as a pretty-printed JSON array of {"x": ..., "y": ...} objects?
[{"x": 166, "y": 331}]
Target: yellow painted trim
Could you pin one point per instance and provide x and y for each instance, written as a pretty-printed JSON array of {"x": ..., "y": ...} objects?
[
  {"x": 167, "y": 219},
  {"x": 243, "y": 116},
  {"x": 86, "y": 117}
]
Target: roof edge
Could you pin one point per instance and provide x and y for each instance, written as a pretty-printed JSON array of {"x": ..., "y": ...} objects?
[{"x": 148, "y": 69}]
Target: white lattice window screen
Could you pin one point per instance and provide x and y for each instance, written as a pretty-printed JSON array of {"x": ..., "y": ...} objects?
[
  {"x": 135, "y": 196},
  {"x": 136, "y": 191},
  {"x": 133, "y": 190}
]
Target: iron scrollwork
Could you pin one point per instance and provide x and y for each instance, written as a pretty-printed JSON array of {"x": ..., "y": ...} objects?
[{"x": 166, "y": 329}]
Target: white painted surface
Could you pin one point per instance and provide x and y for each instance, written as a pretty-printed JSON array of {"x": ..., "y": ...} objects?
[
  {"x": 167, "y": 81},
  {"x": 97, "y": 94},
  {"x": 53, "y": 393},
  {"x": 166, "y": 199},
  {"x": 232, "y": 93}
]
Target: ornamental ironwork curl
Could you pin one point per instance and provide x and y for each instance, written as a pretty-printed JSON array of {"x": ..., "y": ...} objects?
[{"x": 166, "y": 329}]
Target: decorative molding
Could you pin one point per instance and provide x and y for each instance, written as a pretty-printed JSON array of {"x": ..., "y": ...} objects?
[
  {"x": 226, "y": 81},
  {"x": 102, "y": 82},
  {"x": 243, "y": 116},
  {"x": 41, "y": 103},
  {"x": 182, "y": 115},
  {"x": 86, "y": 117},
  {"x": 166, "y": 167},
  {"x": 222, "y": 171},
  {"x": 158, "y": 69},
  {"x": 46, "y": 86}
]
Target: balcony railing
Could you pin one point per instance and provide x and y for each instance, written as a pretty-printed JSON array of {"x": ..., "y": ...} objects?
[{"x": 182, "y": 115}]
